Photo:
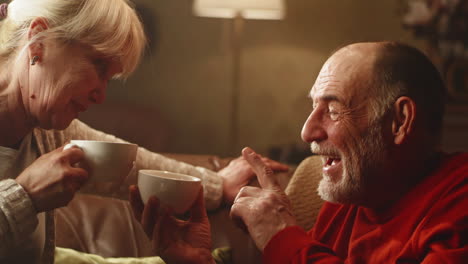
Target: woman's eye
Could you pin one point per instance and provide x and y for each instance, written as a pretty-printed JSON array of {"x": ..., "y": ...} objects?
[{"x": 101, "y": 66}]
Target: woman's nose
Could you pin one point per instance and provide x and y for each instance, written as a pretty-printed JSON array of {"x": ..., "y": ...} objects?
[{"x": 313, "y": 129}]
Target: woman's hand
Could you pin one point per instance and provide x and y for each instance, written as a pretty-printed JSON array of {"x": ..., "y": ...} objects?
[
  {"x": 176, "y": 241},
  {"x": 51, "y": 181},
  {"x": 239, "y": 173}
]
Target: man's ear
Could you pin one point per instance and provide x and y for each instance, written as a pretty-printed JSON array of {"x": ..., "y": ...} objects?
[
  {"x": 404, "y": 119},
  {"x": 36, "y": 46}
]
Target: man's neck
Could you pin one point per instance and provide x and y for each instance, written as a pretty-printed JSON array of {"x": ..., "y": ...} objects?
[{"x": 402, "y": 180}]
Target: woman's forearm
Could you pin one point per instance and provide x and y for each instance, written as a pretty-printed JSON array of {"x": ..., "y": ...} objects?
[{"x": 18, "y": 217}]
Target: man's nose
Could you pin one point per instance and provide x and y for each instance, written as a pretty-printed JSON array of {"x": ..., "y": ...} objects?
[
  {"x": 313, "y": 129},
  {"x": 98, "y": 95}
]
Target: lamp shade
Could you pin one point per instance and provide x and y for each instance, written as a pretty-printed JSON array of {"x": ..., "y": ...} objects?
[{"x": 248, "y": 9}]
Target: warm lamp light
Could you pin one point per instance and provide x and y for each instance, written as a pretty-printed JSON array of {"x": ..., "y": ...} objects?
[
  {"x": 238, "y": 10},
  {"x": 248, "y": 9}
]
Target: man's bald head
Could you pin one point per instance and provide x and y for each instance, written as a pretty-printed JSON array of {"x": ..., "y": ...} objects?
[{"x": 395, "y": 70}]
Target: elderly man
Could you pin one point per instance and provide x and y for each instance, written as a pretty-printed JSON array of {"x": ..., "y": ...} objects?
[{"x": 391, "y": 195}]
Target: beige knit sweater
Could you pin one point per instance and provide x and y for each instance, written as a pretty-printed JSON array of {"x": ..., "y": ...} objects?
[{"x": 17, "y": 215}]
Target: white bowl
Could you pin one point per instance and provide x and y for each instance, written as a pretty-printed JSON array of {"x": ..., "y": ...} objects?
[{"x": 178, "y": 191}]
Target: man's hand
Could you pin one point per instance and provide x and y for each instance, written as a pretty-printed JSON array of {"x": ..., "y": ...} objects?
[
  {"x": 239, "y": 173},
  {"x": 176, "y": 241},
  {"x": 263, "y": 211},
  {"x": 51, "y": 181}
]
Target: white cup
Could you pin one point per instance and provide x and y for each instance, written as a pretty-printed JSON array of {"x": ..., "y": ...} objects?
[
  {"x": 175, "y": 190},
  {"x": 106, "y": 162}
]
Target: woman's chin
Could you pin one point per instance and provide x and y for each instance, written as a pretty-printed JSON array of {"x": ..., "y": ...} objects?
[{"x": 60, "y": 123}]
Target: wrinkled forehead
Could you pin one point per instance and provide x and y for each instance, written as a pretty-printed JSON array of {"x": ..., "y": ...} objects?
[{"x": 347, "y": 75}]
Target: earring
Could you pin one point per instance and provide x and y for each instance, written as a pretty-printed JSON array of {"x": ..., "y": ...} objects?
[{"x": 34, "y": 60}]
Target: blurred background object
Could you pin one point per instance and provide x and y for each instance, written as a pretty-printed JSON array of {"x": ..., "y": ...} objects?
[
  {"x": 443, "y": 24},
  {"x": 237, "y": 11},
  {"x": 185, "y": 81}
]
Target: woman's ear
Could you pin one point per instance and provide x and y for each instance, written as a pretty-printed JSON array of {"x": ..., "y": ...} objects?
[
  {"x": 404, "y": 119},
  {"x": 36, "y": 43}
]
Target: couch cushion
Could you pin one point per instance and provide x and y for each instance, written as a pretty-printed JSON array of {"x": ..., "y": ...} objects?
[{"x": 302, "y": 191}]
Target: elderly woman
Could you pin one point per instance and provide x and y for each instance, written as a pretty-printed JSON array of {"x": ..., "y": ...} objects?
[{"x": 56, "y": 58}]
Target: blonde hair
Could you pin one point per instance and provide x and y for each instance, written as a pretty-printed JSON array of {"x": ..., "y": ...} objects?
[{"x": 111, "y": 27}]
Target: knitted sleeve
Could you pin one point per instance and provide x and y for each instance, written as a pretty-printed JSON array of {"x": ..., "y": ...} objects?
[
  {"x": 18, "y": 217},
  {"x": 212, "y": 183}
]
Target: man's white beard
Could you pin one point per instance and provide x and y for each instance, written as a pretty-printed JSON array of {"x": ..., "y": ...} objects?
[{"x": 359, "y": 165}]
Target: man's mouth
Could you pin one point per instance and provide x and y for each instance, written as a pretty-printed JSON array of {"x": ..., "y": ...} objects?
[
  {"x": 332, "y": 161},
  {"x": 332, "y": 167}
]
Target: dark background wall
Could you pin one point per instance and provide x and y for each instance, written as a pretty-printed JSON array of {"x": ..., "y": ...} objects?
[{"x": 183, "y": 84}]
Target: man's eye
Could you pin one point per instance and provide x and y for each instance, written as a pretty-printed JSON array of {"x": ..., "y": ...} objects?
[{"x": 333, "y": 114}]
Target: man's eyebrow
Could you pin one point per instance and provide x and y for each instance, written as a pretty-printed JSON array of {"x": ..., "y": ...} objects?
[
  {"x": 330, "y": 98},
  {"x": 327, "y": 98}
]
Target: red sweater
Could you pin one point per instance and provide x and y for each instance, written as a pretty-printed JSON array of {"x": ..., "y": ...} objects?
[{"x": 429, "y": 225}]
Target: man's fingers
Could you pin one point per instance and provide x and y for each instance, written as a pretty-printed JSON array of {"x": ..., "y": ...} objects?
[
  {"x": 237, "y": 213},
  {"x": 170, "y": 230},
  {"x": 275, "y": 165},
  {"x": 264, "y": 173},
  {"x": 158, "y": 235},
  {"x": 149, "y": 216},
  {"x": 198, "y": 210},
  {"x": 136, "y": 202},
  {"x": 248, "y": 191}
]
